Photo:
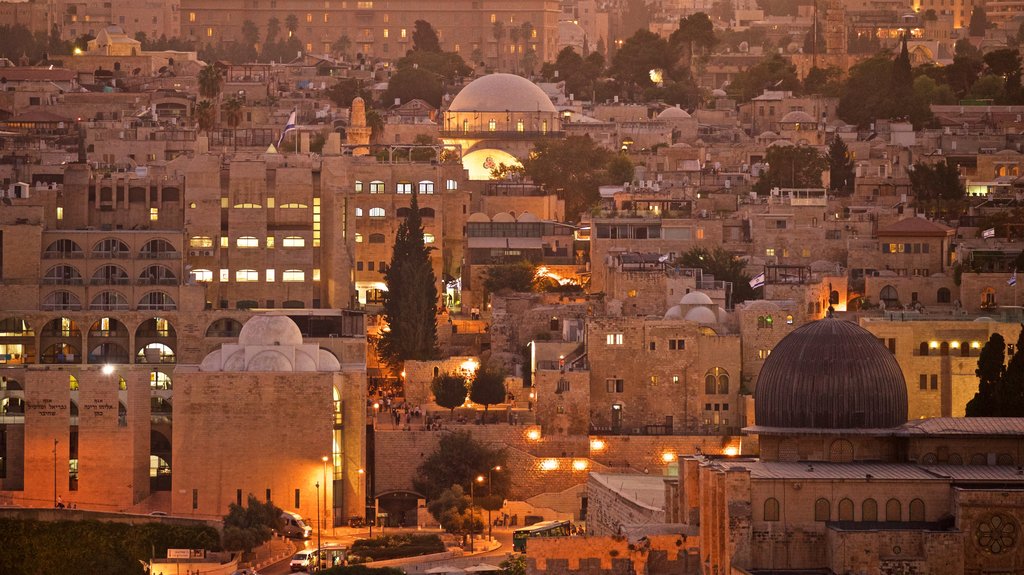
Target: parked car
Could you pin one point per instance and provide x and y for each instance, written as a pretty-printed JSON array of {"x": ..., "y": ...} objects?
[{"x": 304, "y": 560}]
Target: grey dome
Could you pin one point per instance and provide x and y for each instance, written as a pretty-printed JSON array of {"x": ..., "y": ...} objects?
[
  {"x": 270, "y": 330},
  {"x": 501, "y": 93},
  {"x": 830, "y": 374}
]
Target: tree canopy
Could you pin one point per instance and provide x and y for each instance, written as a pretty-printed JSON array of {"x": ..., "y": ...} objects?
[
  {"x": 487, "y": 388},
  {"x": 449, "y": 390},
  {"x": 573, "y": 168},
  {"x": 1000, "y": 387},
  {"x": 790, "y": 167},
  {"x": 410, "y": 302},
  {"x": 411, "y": 83},
  {"x": 424, "y": 38},
  {"x": 840, "y": 168},
  {"x": 939, "y": 181},
  {"x": 246, "y": 528},
  {"x": 518, "y": 277},
  {"x": 724, "y": 266},
  {"x": 456, "y": 512},
  {"x": 458, "y": 460}
]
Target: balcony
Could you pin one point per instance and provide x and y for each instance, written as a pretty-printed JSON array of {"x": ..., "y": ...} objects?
[{"x": 501, "y": 135}]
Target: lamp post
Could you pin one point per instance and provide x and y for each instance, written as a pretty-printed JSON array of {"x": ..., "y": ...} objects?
[
  {"x": 55, "y": 472},
  {"x": 318, "y": 526},
  {"x": 326, "y": 517},
  {"x": 472, "y": 508},
  {"x": 489, "y": 523}
]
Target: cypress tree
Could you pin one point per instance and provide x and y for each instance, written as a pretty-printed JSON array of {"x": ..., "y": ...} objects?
[
  {"x": 410, "y": 303},
  {"x": 1009, "y": 395},
  {"x": 990, "y": 374},
  {"x": 840, "y": 167},
  {"x": 902, "y": 83}
]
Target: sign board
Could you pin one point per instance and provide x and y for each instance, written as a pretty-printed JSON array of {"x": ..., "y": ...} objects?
[{"x": 179, "y": 553}]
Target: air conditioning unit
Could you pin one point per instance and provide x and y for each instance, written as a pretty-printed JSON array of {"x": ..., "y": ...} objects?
[
  {"x": 208, "y": 252},
  {"x": 193, "y": 253}
]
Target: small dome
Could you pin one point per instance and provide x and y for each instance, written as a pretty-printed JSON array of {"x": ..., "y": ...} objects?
[
  {"x": 673, "y": 113},
  {"x": 478, "y": 217},
  {"x": 270, "y": 330},
  {"x": 503, "y": 217},
  {"x": 674, "y": 312},
  {"x": 501, "y": 93},
  {"x": 761, "y": 306},
  {"x": 695, "y": 298},
  {"x": 527, "y": 217},
  {"x": 797, "y": 116},
  {"x": 718, "y": 93},
  {"x": 235, "y": 362},
  {"x": 211, "y": 362},
  {"x": 270, "y": 360},
  {"x": 304, "y": 361},
  {"x": 701, "y": 315},
  {"x": 830, "y": 374},
  {"x": 328, "y": 362}
]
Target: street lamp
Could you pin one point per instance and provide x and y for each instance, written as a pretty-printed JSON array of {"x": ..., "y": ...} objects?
[
  {"x": 472, "y": 508},
  {"x": 319, "y": 527},
  {"x": 489, "y": 523},
  {"x": 55, "y": 472},
  {"x": 324, "y": 459}
]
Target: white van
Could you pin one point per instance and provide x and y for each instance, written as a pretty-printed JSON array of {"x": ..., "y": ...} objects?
[
  {"x": 304, "y": 560},
  {"x": 294, "y": 526}
]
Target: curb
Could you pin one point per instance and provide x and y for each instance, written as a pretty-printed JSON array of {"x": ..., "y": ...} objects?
[{"x": 274, "y": 559}]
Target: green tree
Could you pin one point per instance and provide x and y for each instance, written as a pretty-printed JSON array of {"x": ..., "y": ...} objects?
[
  {"x": 573, "y": 168},
  {"x": 251, "y": 526},
  {"x": 840, "y": 168},
  {"x": 498, "y": 31},
  {"x": 865, "y": 92},
  {"x": 291, "y": 23},
  {"x": 342, "y": 45},
  {"x": 514, "y": 565},
  {"x": 772, "y": 73},
  {"x": 449, "y": 390},
  {"x": 206, "y": 115},
  {"x": 901, "y": 86},
  {"x": 940, "y": 181},
  {"x": 447, "y": 65},
  {"x": 410, "y": 302},
  {"x": 1009, "y": 395},
  {"x": 424, "y": 38},
  {"x": 347, "y": 89},
  {"x": 724, "y": 266},
  {"x": 979, "y": 21},
  {"x": 1005, "y": 63},
  {"x": 621, "y": 169},
  {"x": 517, "y": 277},
  {"x": 411, "y": 83},
  {"x": 210, "y": 82},
  {"x": 695, "y": 34},
  {"x": 273, "y": 29},
  {"x": 250, "y": 36},
  {"x": 487, "y": 388},
  {"x": 233, "y": 108},
  {"x": 991, "y": 366},
  {"x": 824, "y": 82},
  {"x": 641, "y": 53},
  {"x": 458, "y": 460},
  {"x": 456, "y": 512},
  {"x": 790, "y": 167},
  {"x": 967, "y": 65}
]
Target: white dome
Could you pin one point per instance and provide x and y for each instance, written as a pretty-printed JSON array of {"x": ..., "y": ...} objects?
[
  {"x": 270, "y": 330},
  {"x": 304, "y": 361},
  {"x": 328, "y": 362},
  {"x": 269, "y": 360},
  {"x": 500, "y": 93},
  {"x": 761, "y": 306},
  {"x": 674, "y": 312},
  {"x": 674, "y": 113},
  {"x": 478, "y": 217},
  {"x": 797, "y": 116},
  {"x": 211, "y": 362},
  {"x": 504, "y": 218},
  {"x": 695, "y": 298},
  {"x": 718, "y": 93},
  {"x": 527, "y": 217},
  {"x": 701, "y": 315},
  {"x": 236, "y": 362}
]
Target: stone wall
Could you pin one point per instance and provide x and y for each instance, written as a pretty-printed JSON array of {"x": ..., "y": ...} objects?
[
  {"x": 896, "y": 551},
  {"x": 607, "y": 555}
]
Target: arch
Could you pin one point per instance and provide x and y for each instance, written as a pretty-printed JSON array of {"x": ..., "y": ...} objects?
[
  {"x": 788, "y": 450},
  {"x": 771, "y": 509},
  {"x": 965, "y": 349},
  {"x": 916, "y": 510},
  {"x": 155, "y": 353},
  {"x": 845, "y": 510},
  {"x": 943, "y": 295},
  {"x": 160, "y": 380},
  {"x": 403, "y": 212},
  {"x": 979, "y": 459},
  {"x": 955, "y": 459},
  {"x": 61, "y": 300},
  {"x": 923, "y": 348},
  {"x": 841, "y": 451},
  {"x": 12, "y": 406},
  {"x": 15, "y": 327},
  {"x": 944, "y": 348},
  {"x": 107, "y": 327},
  {"x": 890, "y": 296},
  {"x": 158, "y": 248},
  {"x": 63, "y": 248},
  {"x": 111, "y": 248},
  {"x": 157, "y": 300},
  {"x": 425, "y": 187},
  {"x": 109, "y": 301},
  {"x": 62, "y": 274},
  {"x": 108, "y": 352},
  {"x": 110, "y": 274},
  {"x": 988, "y": 297},
  {"x": 789, "y": 319},
  {"x": 869, "y": 510},
  {"x": 427, "y": 212},
  {"x": 822, "y": 509},
  {"x": 158, "y": 275},
  {"x": 72, "y": 382},
  {"x": 375, "y": 238},
  {"x": 61, "y": 327},
  {"x": 155, "y": 327},
  {"x": 1004, "y": 459},
  {"x": 929, "y": 459},
  {"x": 893, "y": 510},
  {"x": 224, "y": 327},
  {"x": 377, "y": 213},
  {"x": 159, "y": 405}
]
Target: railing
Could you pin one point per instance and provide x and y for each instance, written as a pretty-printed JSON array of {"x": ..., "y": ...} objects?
[
  {"x": 160, "y": 255},
  {"x": 501, "y": 134},
  {"x": 63, "y": 255}
]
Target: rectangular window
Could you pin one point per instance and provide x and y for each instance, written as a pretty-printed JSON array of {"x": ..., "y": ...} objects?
[
  {"x": 403, "y": 188},
  {"x": 297, "y": 499},
  {"x": 293, "y": 276},
  {"x": 238, "y": 497},
  {"x": 195, "y": 499},
  {"x": 270, "y": 242},
  {"x": 652, "y": 346},
  {"x": 316, "y": 274},
  {"x": 376, "y": 187},
  {"x": 614, "y": 385},
  {"x": 154, "y": 214},
  {"x": 370, "y": 266},
  {"x": 225, "y": 275},
  {"x": 60, "y": 213},
  {"x": 271, "y": 275},
  {"x": 191, "y": 16},
  {"x": 224, "y": 241},
  {"x": 359, "y": 187},
  {"x": 922, "y": 382},
  {"x": 451, "y": 185},
  {"x": 268, "y": 494},
  {"x": 770, "y": 252},
  {"x": 934, "y": 382},
  {"x": 613, "y": 339},
  {"x": 316, "y": 222}
]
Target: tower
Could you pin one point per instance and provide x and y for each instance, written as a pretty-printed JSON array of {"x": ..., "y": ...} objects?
[
  {"x": 358, "y": 133},
  {"x": 835, "y": 29}
]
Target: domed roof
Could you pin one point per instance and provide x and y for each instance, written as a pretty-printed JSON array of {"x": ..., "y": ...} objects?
[
  {"x": 830, "y": 374},
  {"x": 504, "y": 218},
  {"x": 502, "y": 92},
  {"x": 718, "y": 93},
  {"x": 527, "y": 217},
  {"x": 674, "y": 312},
  {"x": 695, "y": 298},
  {"x": 701, "y": 315},
  {"x": 673, "y": 113},
  {"x": 270, "y": 330},
  {"x": 763, "y": 306},
  {"x": 478, "y": 217},
  {"x": 797, "y": 116}
]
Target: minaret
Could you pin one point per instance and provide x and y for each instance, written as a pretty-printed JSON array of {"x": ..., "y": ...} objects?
[{"x": 358, "y": 133}]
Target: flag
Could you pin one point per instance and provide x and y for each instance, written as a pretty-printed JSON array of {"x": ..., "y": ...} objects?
[
  {"x": 757, "y": 281},
  {"x": 989, "y": 233},
  {"x": 665, "y": 258},
  {"x": 1013, "y": 279},
  {"x": 289, "y": 126}
]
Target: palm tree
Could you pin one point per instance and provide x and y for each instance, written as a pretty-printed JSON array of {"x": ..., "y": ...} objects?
[
  {"x": 233, "y": 116},
  {"x": 499, "y": 33},
  {"x": 513, "y": 35},
  {"x": 342, "y": 45},
  {"x": 210, "y": 82},
  {"x": 206, "y": 115},
  {"x": 273, "y": 29},
  {"x": 251, "y": 37},
  {"x": 291, "y": 22}
]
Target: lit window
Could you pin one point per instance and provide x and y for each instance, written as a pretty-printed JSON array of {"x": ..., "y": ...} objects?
[
  {"x": 224, "y": 202},
  {"x": 494, "y": 18},
  {"x": 224, "y": 242},
  {"x": 386, "y": 33},
  {"x": 294, "y": 242},
  {"x": 200, "y": 242},
  {"x": 247, "y": 242},
  {"x": 520, "y": 127},
  {"x": 377, "y": 187},
  {"x": 271, "y": 275},
  {"x": 225, "y": 275},
  {"x": 270, "y": 203},
  {"x": 359, "y": 238},
  {"x": 359, "y": 187},
  {"x": 270, "y": 242},
  {"x": 294, "y": 206},
  {"x": 201, "y": 275},
  {"x": 60, "y": 213},
  {"x": 377, "y": 212},
  {"x": 293, "y": 276},
  {"x": 492, "y": 126},
  {"x": 209, "y": 32},
  {"x": 247, "y": 206},
  {"x": 359, "y": 212},
  {"x": 428, "y": 238},
  {"x": 316, "y": 274},
  {"x": 316, "y": 222},
  {"x": 191, "y": 16},
  {"x": 403, "y": 33},
  {"x": 769, "y": 252},
  {"x": 247, "y": 276},
  {"x": 403, "y": 188},
  {"x": 426, "y": 187},
  {"x": 613, "y": 339},
  {"x": 309, "y": 18},
  {"x": 451, "y": 185}
]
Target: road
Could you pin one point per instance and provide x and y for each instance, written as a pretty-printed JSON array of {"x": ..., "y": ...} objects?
[{"x": 493, "y": 557}]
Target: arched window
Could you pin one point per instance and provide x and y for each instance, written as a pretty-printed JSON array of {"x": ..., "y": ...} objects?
[
  {"x": 247, "y": 206},
  {"x": 944, "y": 348},
  {"x": 893, "y": 510},
  {"x": 709, "y": 384},
  {"x": 890, "y": 296},
  {"x": 247, "y": 242},
  {"x": 63, "y": 275},
  {"x": 929, "y": 459},
  {"x": 771, "y": 509},
  {"x": 63, "y": 249},
  {"x": 376, "y": 187},
  {"x": 789, "y": 319},
  {"x": 247, "y": 276},
  {"x": 923, "y": 348},
  {"x": 157, "y": 300},
  {"x": 110, "y": 275},
  {"x": 375, "y": 238},
  {"x": 158, "y": 248},
  {"x": 822, "y": 509},
  {"x": 201, "y": 275},
  {"x": 427, "y": 212},
  {"x": 916, "y": 510},
  {"x": 109, "y": 300},
  {"x": 426, "y": 187},
  {"x": 293, "y": 276},
  {"x": 159, "y": 380},
  {"x": 359, "y": 212},
  {"x": 294, "y": 242},
  {"x": 841, "y": 451},
  {"x": 61, "y": 300},
  {"x": 988, "y": 297},
  {"x": 111, "y": 248},
  {"x": 846, "y": 510},
  {"x": 73, "y": 382},
  {"x": 942, "y": 296},
  {"x": 157, "y": 275},
  {"x": 869, "y": 510},
  {"x": 295, "y": 206},
  {"x": 403, "y": 212},
  {"x": 377, "y": 212},
  {"x": 955, "y": 459}
]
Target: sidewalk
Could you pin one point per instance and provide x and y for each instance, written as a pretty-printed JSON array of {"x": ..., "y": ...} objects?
[{"x": 269, "y": 553}]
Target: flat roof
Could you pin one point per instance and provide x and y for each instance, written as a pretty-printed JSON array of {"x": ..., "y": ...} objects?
[{"x": 647, "y": 491}]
